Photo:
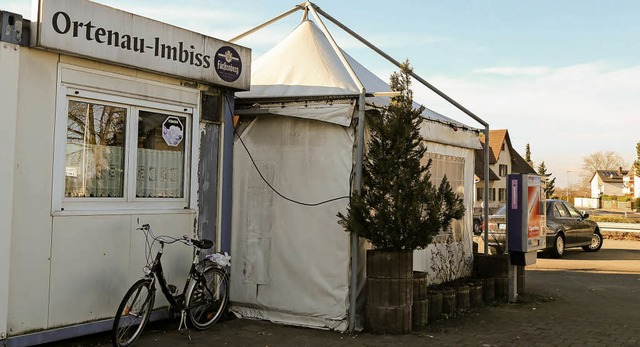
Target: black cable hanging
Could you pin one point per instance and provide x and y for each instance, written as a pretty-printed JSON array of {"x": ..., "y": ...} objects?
[{"x": 274, "y": 189}]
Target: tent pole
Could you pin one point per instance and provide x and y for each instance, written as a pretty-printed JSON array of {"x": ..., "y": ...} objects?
[
  {"x": 485, "y": 203},
  {"x": 442, "y": 95},
  {"x": 353, "y": 291},
  {"x": 355, "y": 248},
  {"x": 271, "y": 21},
  {"x": 337, "y": 49},
  {"x": 396, "y": 63}
]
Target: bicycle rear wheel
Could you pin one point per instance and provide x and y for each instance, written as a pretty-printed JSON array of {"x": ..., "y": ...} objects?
[
  {"x": 208, "y": 299},
  {"x": 133, "y": 313}
]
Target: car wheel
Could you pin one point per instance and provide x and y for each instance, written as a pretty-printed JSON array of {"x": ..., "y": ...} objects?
[
  {"x": 558, "y": 246},
  {"x": 596, "y": 243}
]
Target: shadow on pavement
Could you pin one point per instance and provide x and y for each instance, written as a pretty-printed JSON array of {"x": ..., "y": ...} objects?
[{"x": 603, "y": 254}]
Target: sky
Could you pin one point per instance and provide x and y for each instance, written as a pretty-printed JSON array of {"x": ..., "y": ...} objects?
[{"x": 561, "y": 75}]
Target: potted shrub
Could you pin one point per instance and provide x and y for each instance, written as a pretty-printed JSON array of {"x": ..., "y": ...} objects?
[{"x": 398, "y": 209}]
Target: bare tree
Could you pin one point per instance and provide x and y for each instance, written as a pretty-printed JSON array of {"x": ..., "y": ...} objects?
[
  {"x": 607, "y": 160},
  {"x": 578, "y": 190}
]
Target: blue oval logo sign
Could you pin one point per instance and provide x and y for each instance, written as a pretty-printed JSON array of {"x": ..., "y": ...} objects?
[{"x": 228, "y": 64}]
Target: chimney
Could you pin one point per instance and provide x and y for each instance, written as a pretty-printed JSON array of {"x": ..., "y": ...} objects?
[{"x": 620, "y": 170}]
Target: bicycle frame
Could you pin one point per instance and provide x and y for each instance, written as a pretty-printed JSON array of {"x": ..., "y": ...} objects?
[
  {"x": 200, "y": 302},
  {"x": 156, "y": 272}
]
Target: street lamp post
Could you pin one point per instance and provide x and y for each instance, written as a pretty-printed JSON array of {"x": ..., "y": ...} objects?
[{"x": 568, "y": 184}]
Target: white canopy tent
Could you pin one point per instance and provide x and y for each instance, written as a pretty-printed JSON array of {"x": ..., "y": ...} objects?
[{"x": 298, "y": 137}]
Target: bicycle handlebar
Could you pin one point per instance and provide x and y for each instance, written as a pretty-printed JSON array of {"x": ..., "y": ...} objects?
[{"x": 202, "y": 244}]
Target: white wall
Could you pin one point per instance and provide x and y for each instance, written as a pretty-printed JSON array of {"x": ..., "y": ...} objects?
[
  {"x": 586, "y": 202},
  {"x": 70, "y": 267},
  {"x": 599, "y": 187},
  {"x": 614, "y": 189},
  {"x": 96, "y": 258},
  {"x": 31, "y": 232},
  {"x": 596, "y": 185},
  {"x": 9, "y": 66},
  {"x": 505, "y": 159}
]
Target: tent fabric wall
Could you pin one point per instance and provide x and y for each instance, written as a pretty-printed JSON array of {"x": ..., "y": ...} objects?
[
  {"x": 450, "y": 135},
  {"x": 331, "y": 111},
  {"x": 448, "y": 252},
  {"x": 291, "y": 262}
]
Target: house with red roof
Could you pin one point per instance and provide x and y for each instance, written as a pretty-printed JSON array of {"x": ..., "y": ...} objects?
[
  {"x": 503, "y": 160},
  {"x": 615, "y": 182}
]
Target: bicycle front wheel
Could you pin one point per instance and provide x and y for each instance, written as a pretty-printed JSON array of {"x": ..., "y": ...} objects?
[
  {"x": 133, "y": 313},
  {"x": 208, "y": 298}
]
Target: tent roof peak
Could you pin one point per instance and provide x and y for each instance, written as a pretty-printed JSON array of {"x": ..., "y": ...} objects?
[{"x": 354, "y": 71}]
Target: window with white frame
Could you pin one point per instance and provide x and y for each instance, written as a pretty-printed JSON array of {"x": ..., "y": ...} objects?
[
  {"x": 160, "y": 155},
  {"x": 479, "y": 194},
  {"x": 503, "y": 170},
  {"x": 118, "y": 151},
  {"x": 94, "y": 165},
  {"x": 453, "y": 168},
  {"x": 502, "y": 194},
  {"x": 123, "y": 143}
]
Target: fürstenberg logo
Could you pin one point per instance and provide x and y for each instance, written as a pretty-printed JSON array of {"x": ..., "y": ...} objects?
[{"x": 62, "y": 24}]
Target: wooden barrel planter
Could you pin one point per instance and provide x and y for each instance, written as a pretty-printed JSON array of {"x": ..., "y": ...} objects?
[
  {"x": 420, "y": 313},
  {"x": 462, "y": 298},
  {"x": 475, "y": 294},
  {"x": 419, "y": 285},
  {"x": 488, "y": 290},
  {"x": 448, "y": 301},
  {"x": 435, "y": 305},
  {"x": 420, "y": 306},
  {"x": 501, "y": 286},
  {"x": 389, "y": 292}
]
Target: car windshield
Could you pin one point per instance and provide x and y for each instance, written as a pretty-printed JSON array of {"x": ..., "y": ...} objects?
[{"x": 502, "y": 211}]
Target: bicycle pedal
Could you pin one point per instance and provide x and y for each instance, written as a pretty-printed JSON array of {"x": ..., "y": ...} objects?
[{"x": 172, "y": 289}]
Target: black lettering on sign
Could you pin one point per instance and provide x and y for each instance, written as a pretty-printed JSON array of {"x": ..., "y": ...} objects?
[
  {"x": 56, "y": 24},
  {"x": 226, "y": 61}
]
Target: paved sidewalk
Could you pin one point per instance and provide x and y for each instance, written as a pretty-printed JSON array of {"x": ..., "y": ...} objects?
[
  {"x": 561, "y": 308},
  {"x": 605, "y": 312}
]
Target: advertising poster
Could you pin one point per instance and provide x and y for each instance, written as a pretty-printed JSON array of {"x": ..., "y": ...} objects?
[{"x": 533, "y": 208}]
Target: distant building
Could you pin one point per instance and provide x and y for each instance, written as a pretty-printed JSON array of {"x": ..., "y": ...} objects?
[
  {"x": 503, "y": 160},
  {"x": 634, "y": 182},
  {"x": 615, "y": 182}
]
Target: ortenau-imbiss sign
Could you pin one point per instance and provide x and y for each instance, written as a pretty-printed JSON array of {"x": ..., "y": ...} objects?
[{"x": 92, "y": 30}]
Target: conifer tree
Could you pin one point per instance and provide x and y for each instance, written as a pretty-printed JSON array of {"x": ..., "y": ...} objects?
[
  {"x": 398, "y": 208},
  {"x": 636, "y": 163},
  {"x": 527, "y": 154},
  {"x": 550, "y": 189}
]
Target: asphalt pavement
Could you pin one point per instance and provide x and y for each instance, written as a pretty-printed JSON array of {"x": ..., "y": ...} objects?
[{"x": 583, "y": 299}]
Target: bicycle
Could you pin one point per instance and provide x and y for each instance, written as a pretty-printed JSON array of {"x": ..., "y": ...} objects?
[{"x": 203, "y": 299}]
